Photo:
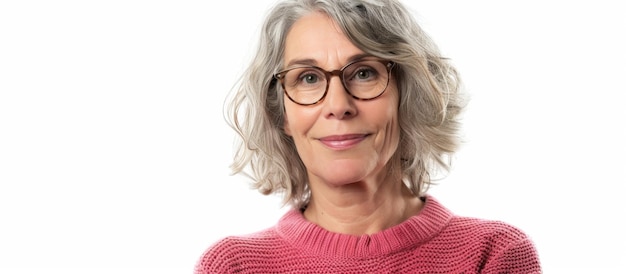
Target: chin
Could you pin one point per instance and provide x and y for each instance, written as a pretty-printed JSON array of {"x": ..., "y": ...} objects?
[{"x": 343, "y": 174}]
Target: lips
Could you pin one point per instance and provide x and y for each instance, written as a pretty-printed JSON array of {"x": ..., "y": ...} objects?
[{"x": 342, "y": 141}]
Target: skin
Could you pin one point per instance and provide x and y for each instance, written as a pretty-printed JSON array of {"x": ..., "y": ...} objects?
[{"x": 347, "y": 145}]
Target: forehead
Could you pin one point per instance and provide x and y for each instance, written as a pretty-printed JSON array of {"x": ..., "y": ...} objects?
[{"x": 318, "y": 40}]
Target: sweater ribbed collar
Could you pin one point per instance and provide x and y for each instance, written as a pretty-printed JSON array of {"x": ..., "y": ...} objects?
[{"x": 315, "y": 240}]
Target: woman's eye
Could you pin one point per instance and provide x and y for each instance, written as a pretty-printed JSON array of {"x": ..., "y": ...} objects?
[
  {"x": 364, "y": 73},
  {"x": 310, "y": 78}
]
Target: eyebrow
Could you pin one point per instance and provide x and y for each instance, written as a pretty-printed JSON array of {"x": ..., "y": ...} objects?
[{"x": 313, "y": 62}]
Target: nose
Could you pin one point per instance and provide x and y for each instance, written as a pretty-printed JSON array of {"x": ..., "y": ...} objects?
[{"x": 338, "y": 104}]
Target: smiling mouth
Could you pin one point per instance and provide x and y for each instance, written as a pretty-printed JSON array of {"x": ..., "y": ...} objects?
[{"x": 340, "y": 142}]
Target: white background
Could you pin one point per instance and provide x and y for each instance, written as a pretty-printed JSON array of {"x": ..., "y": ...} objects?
[{"x": 114, "y": 154}]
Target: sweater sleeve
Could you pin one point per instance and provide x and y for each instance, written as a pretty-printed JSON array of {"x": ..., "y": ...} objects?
[{"x": 517, "y": 257}]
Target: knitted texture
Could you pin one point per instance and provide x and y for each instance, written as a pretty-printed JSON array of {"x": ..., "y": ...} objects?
[{"x": 434, "y": 241}]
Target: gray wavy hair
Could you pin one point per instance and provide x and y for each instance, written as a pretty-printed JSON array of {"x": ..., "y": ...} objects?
[{"x": 428, "y": 85}]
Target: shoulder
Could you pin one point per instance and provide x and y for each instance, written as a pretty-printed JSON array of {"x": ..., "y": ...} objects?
[
  {"x": 225, "y": 255},
  {"x": 501, "y": 247},
  {"x": 469, "y": 228},
  {"x": 484, "y": 236},
  {"x": 486, "y": 229}
]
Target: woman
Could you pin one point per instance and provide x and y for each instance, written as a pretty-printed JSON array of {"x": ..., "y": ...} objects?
[{"x": 346, "y": 110}]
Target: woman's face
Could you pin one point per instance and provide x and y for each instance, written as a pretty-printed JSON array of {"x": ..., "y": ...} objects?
[{"x": 341, "y": 140}]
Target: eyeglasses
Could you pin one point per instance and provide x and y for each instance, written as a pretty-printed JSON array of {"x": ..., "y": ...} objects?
[{"x": 362, "y": 79}]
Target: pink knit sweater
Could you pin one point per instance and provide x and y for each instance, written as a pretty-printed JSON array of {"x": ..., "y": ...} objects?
[{"x": 435, "y": 241}]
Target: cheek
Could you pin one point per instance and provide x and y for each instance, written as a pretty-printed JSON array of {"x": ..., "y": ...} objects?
[
  {"x": 286, "y": 127},
  {"x": 392, "y": 128},
  {"x": 298, "y": 119},
  {"x": 391, "y": 122},
  {"x": 394, "y": 132},
  {"x": 289, "y": 117}
]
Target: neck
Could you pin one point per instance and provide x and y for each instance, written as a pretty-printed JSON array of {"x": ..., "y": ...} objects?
[{"x": 362, "y": 207}]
